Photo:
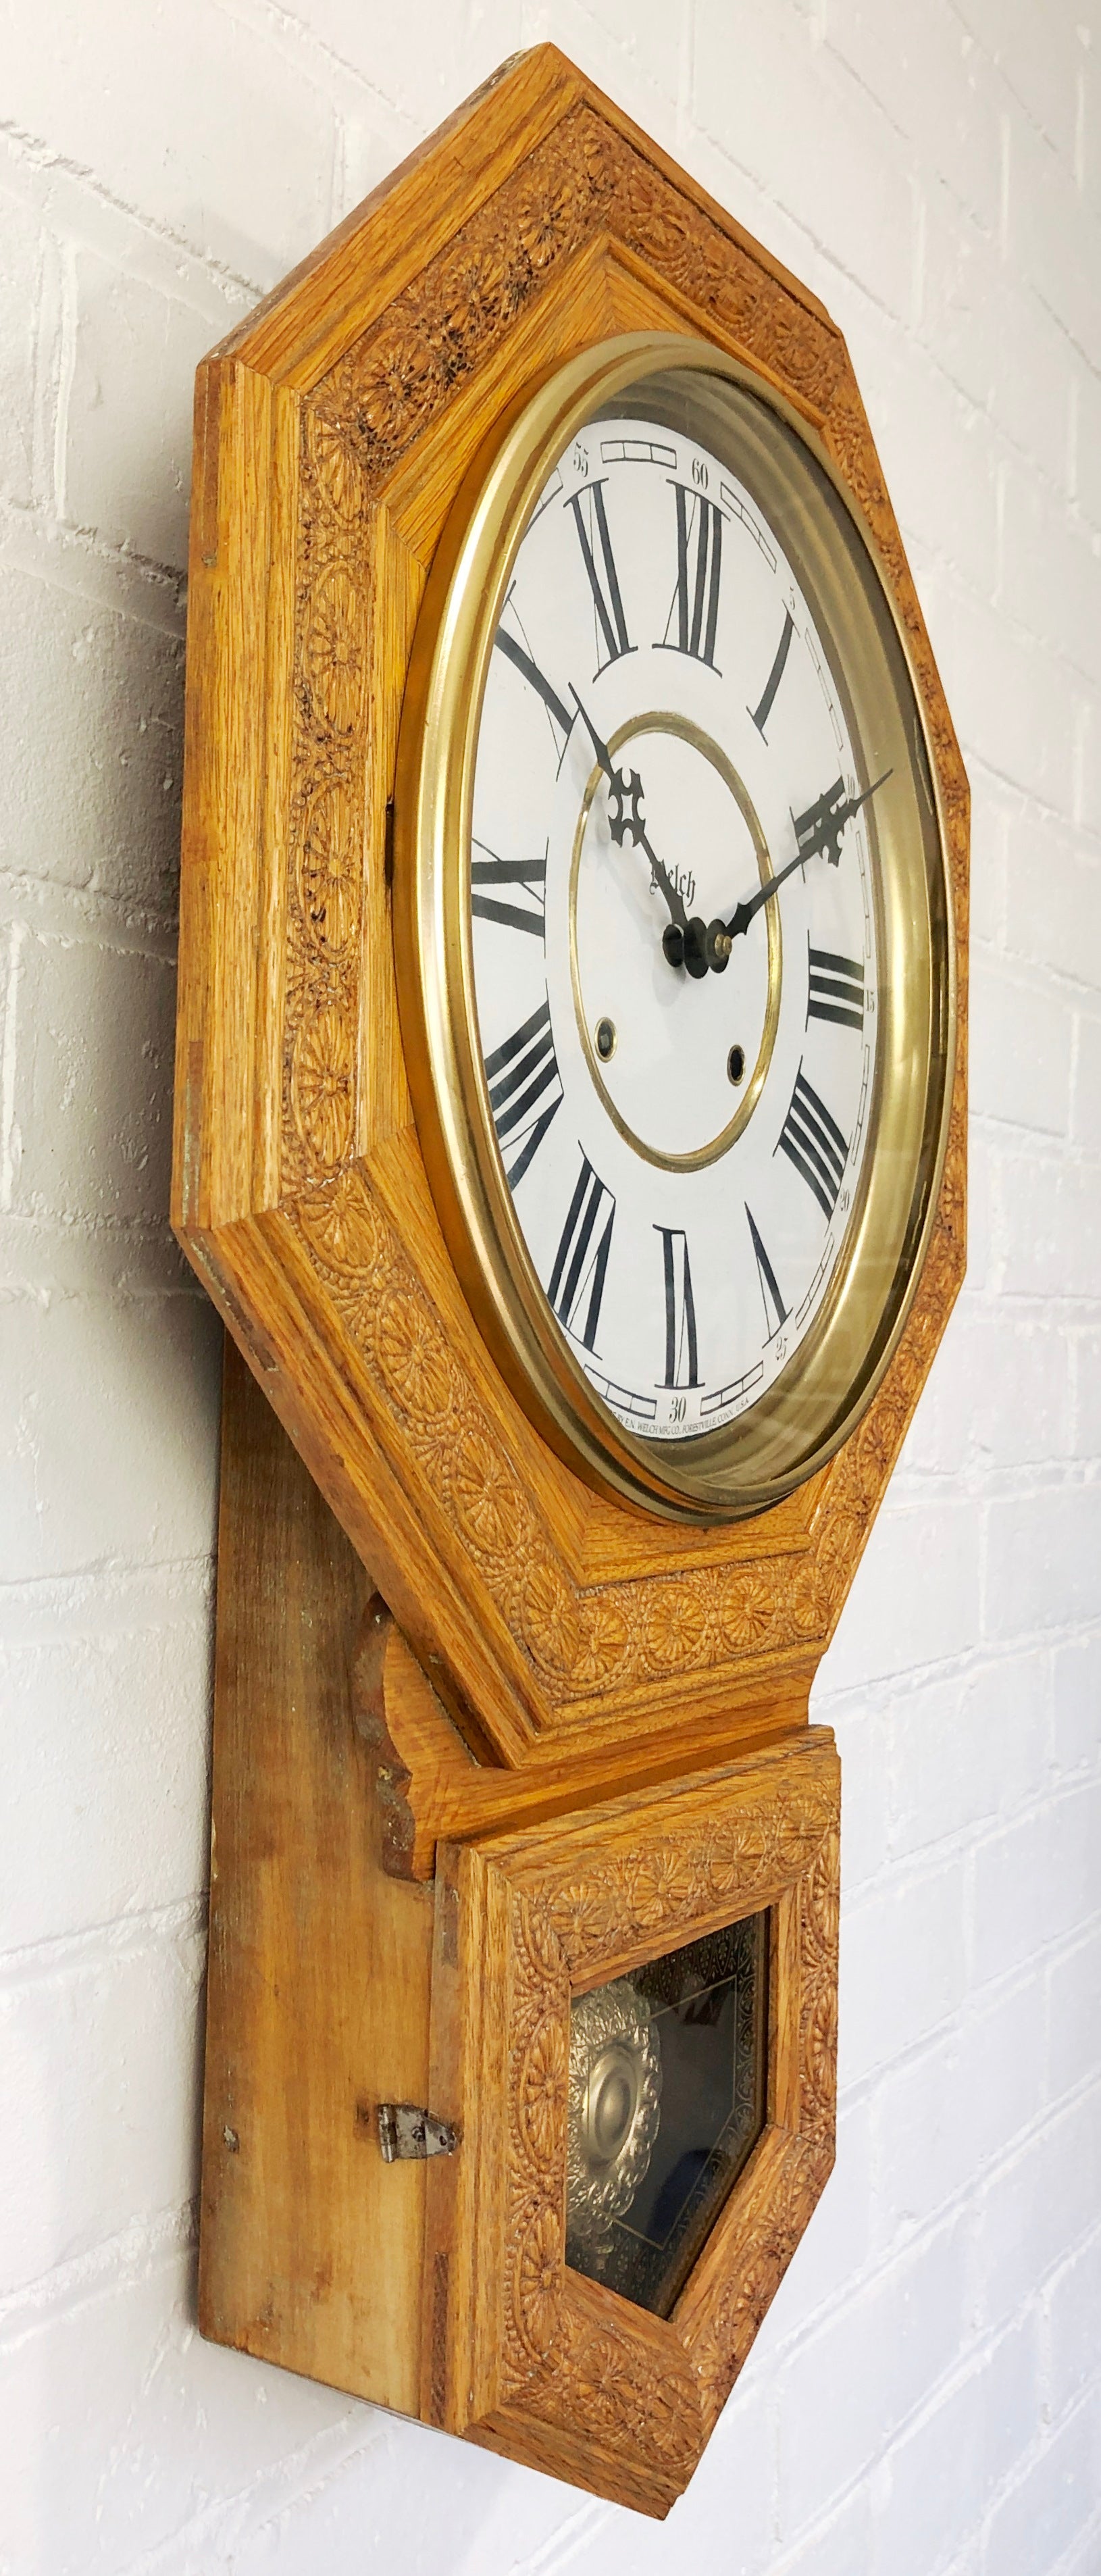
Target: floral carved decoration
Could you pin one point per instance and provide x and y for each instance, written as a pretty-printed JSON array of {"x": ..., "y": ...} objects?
[
  {"x": 583, "y": 182},
  {"x": 571, "y": 2354},
  {"x": 612, "y": 1637},
  {"x": 733, "y": 2319}
]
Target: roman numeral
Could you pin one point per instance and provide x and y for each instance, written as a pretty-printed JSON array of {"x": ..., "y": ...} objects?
[
  {"x": 836, "y": 988},
  {"x": 819, "y": 830},
  {"x": 680, "y": 1309},
  {"x": 531, "y": 874},
  {"x": 525, "y": 1092},
  {"x": 813, "y": 1141},
  {"x": 695, "y": 604},
  {"x": 581, "y": 1261},
  {"x": 759, "y": 715},
  {"x": 773, "y": 1302},
  {"x": 530, "y": 671},
  {"x": 603, "y": 578}
]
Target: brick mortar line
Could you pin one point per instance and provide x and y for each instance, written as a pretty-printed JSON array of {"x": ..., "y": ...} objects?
[
  {"x": 903, "y": 1882},
  {"x": 36, "y": 153},
  {"x": 75, "y": 210},
  {"x": 300, "y": 39},
  {"x": 96, "y": 1945},
  {"x": 121, "y": 1570},
  {"x": 93, "y": 917},
  {"x": 867, "y": 2089},
  {"x": 1011, "y": 2484},
  {"x": 223, "y": 2522},
  {"x": 118, "y": 2262},
  {"x": 140, "y": 1231},
  {"x": 912, "y": 2421},
  {"x": 47, "y": 547},
  {"x": 1036, "y": 808},
  {"x": 971, "y": 2361},
  {"x": 1072, "y": 2562}
]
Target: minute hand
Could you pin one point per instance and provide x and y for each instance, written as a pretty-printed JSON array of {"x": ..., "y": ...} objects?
[{"x": 817, "y": 832}]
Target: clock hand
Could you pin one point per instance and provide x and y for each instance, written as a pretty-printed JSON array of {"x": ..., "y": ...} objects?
[
  {"x": 612, "y": 774},
  {"x": 743, "y": 913},
  {"x": 818, "y": 833},
  {"x": 660, "y": 876},
  {"x": 702, "y": 944},
  {"x": 625, "y": 817}
]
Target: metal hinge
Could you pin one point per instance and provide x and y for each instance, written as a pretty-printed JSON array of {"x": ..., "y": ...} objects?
[{"x": 406, "y": 2130}]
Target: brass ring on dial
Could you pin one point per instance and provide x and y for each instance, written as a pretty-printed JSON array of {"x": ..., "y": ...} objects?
[
  {"x": 822, "y": 1390},
  {"x": 661, "y": 721}
]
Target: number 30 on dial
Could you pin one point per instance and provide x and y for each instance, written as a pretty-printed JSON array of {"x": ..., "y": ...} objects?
[{"x": 671, "y": 908}]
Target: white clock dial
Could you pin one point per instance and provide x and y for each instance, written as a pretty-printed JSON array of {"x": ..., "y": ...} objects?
[{"x": 674, "y": 930}]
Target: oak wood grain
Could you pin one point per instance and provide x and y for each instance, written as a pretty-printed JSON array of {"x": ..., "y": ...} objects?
[
  {"x": 333, "y": 431},
  {"x": 527, "y": 2356},
  {"x": 318, "y": 1993},
  {"x": 432, "y": 1788},
  {"x": 438, "y": 1650},
  {"x": 333, "y": 1985}
]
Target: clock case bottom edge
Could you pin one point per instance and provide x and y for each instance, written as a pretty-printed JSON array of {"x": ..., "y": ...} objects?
[{"x": 323, "y": 1927}]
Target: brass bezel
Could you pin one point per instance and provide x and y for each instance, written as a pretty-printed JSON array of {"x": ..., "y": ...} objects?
[
  {"x": 799, "y": 1423},
  {"x": 658, "y": 720}
]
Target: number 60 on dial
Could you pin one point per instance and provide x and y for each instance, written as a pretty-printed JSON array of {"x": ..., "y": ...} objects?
[{"x": 671, "y": 908}]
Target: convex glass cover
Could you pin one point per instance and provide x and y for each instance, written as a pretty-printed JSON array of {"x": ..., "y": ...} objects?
[
  {"x": 677, "y": 934},
  {"x": 667, "y": 2098}
]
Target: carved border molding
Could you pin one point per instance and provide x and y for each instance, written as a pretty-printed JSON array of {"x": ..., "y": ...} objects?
[
  {"x": 585, "y": 180},
  {"x": 613, "y": 1637},
  {"x": 554, "y": 2353},
  {"x": 568, "y": 215},
  {"x": 393, "y": 386}
]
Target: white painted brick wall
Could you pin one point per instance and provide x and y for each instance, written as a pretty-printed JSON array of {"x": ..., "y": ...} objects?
[{"x": 925, "y": 2398}]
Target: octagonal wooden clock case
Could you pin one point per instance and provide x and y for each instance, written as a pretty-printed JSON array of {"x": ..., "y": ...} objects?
[{"x": 571, "y": 1133}]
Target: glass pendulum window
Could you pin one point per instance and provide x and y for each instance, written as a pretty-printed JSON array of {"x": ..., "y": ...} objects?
[{"x": 668, "y": 2070}]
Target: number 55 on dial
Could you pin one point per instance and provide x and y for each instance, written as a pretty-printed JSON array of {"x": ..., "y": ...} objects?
[{"x": 672, "y": 932}]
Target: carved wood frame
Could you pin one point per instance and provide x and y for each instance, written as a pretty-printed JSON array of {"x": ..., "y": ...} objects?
[
  {"x": 332, "y": 431},
  {"x": 520, "y": 2353}
]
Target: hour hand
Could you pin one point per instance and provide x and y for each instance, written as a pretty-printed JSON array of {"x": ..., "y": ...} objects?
[{"x": 626, "y": 820}]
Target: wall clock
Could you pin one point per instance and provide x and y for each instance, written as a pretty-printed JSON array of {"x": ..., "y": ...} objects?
[{"x": 570, "y": 1130}]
